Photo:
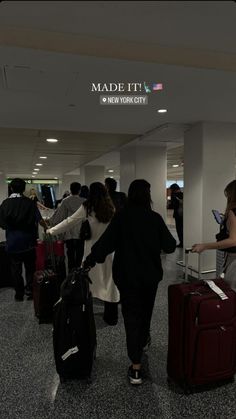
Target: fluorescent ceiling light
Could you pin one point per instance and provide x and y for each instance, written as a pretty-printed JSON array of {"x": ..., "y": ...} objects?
[
  {"x": 55, "y": 177},
  {"x": 175, "y": 165},
  {"x": 32, "y": 176},
  {"x": 43, "y": 157},
  {"x": 35, "y": 173},
  {"x": 110, "y": 171},
  {"x": 39, "y": 164},
  {"x": 36, "y": 170},
  {"x": 162, "y": 110},
  {"x": 52, "y": 140}
]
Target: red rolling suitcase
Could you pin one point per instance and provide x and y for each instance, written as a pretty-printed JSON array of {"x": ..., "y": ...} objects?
[
  {"x": 202, "y": 333},
  {"x": 40, "y": 255},
  {"x": 45, "y": 293},
  {"x": 46, "y": 284},
  {"x": 43, "y": 248}
]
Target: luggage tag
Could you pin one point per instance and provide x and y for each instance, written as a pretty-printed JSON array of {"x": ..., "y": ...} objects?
[{"x": 216, "y": 289}]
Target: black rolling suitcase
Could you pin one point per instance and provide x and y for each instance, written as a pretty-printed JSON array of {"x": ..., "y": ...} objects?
[{"x": 74, "y": 331}]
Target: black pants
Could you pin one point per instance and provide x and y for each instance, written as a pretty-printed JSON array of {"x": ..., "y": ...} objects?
[
  {"x": 75, "y": 253},
  {"x": 29, "y": 260},
  {"x": 110, "y": 313},
  {"x": 137, "y": 307},
  {"x": 179, "y": 228}
]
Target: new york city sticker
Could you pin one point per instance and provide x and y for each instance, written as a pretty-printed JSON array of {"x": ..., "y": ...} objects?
[{"x": 124, "y": 100}]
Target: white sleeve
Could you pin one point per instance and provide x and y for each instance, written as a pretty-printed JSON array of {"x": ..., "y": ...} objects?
[{"x": 69, "y": 222}]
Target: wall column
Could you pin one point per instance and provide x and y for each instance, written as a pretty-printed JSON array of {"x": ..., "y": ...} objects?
[{"x": 209, "y": 165}]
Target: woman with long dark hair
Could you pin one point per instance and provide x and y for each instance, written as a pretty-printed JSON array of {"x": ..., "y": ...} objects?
[
  {"x": 226, "y": 239},
  {"x": 137, "y": 235},
  {"x": 99, "y": 210}
]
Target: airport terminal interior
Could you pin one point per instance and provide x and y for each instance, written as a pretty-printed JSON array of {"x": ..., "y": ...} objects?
[{"x": 127, "y": 90}]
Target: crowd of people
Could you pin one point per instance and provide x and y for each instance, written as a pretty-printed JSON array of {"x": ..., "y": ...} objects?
[{"x": 123, "y": 252}]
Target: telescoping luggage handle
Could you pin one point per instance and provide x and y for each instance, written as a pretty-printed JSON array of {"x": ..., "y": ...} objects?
[
  {"x": 209, "y": 282},
  {"x": 187, "y": 251},
  {"x": 49, "y": 239}
]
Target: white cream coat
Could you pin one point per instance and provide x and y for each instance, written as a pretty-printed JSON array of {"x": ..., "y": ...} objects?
[{"x": 103, "y": 286}]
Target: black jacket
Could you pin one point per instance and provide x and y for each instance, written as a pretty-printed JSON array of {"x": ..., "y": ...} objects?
[
  {"x": 119, "y": 200},
  {"x": 137, "y": 236},
  {"x": 176, "y": 202},
  {"x": 19, "y": 217}
]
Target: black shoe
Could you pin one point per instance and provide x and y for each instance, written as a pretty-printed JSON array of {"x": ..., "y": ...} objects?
[
  {"x": 180, "y": 245},
  {"x": 29, "y": 297},
  {"x": 19, "y": 298},
  {"x": 135, "y": 376}
]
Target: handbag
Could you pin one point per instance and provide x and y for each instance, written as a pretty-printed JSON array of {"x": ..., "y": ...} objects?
[{"x": 85, "y": 230}]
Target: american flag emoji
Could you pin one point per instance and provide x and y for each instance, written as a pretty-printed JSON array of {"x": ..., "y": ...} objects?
[{"x": 157, "y": 86}]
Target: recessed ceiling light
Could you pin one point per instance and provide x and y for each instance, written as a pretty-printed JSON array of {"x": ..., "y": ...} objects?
[
  {"x": 175, "y": 165},
  {"x": 112, "y": 177},
  {"x": 110, "y": 171},
  {"x": 162, "y": 110},
  {"x": 52, "y": 140},
  {"x": 39, "y": 164},
  {"x": 55, "y": 177},
  {"x": 35, "y": 173},
  {"x": 36, "y": 170},
  {"x": 43, "y": 157}
]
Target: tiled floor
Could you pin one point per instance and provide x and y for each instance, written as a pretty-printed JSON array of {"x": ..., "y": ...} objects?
[{"x": 30, "y": 388}]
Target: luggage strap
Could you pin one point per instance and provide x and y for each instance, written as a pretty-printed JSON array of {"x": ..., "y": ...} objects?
[{"x": 216, "y": 289}]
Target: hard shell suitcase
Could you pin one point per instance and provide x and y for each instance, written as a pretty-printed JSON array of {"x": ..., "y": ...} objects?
[
  {"x": 74, "y": 331},
  {"x": 202, "y": 333}
]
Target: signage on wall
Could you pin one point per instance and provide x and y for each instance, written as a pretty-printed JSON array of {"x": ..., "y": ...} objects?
[{"x": 38, "y": 181}]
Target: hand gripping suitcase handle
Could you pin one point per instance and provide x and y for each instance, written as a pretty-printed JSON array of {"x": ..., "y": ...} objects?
[{"x": 187, "y": 251}]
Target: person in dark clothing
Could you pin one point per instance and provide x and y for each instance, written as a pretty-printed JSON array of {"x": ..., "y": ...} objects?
[
  {"x": 84, "y": 192},
  {"x": 137, "y": 235},
  {"x": 19, "y": 216},
  {"x": 176, "y": 204},
  {"x": 119, "y": 199}
]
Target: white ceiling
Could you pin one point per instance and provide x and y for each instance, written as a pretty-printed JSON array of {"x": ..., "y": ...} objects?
[
  {"x": 50, "y": 92},
  {"x": 202, "y": 25}
]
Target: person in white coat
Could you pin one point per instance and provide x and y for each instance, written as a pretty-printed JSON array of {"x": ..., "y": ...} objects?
[{"x": 99, "y": 210}]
